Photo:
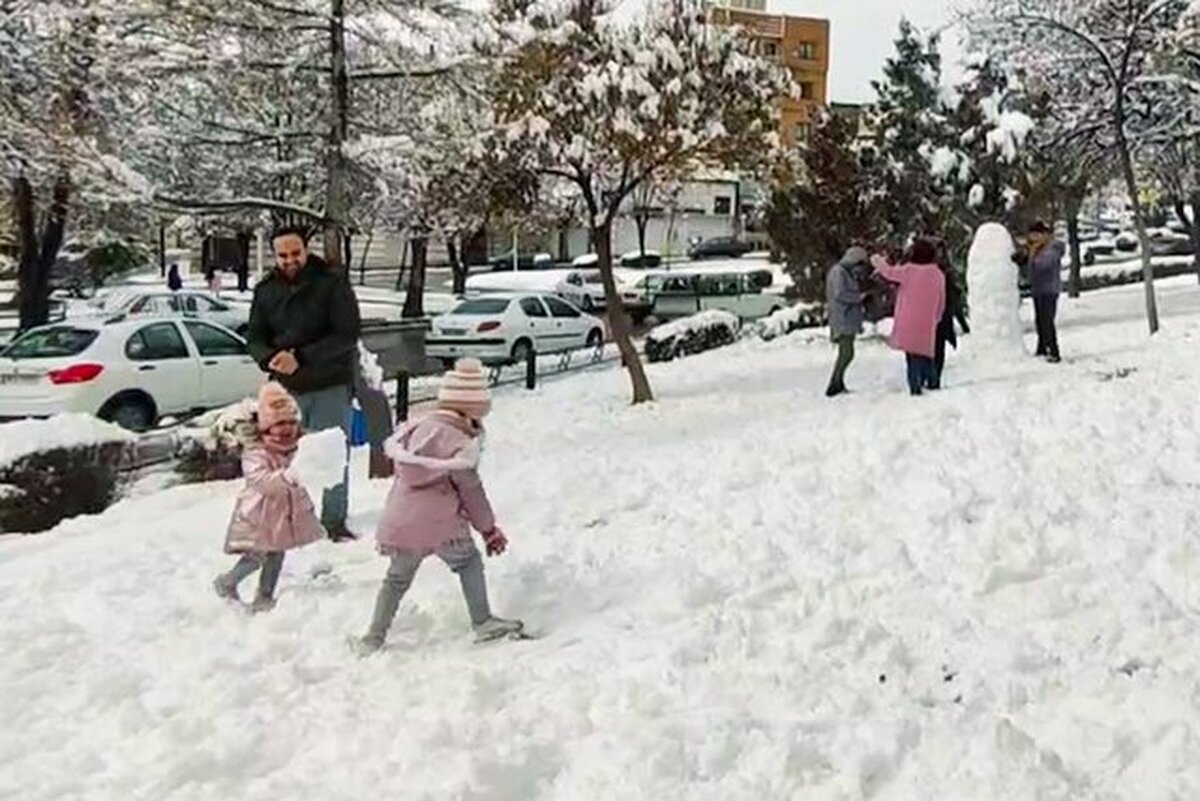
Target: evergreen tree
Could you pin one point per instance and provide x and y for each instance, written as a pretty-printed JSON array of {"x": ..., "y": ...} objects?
[{"x": 835, "y": 204}]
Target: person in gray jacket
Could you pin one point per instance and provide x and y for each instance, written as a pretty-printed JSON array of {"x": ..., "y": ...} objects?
[
  {"x": 1045, "y": 283},
  {"x": 844, "y": 303}
]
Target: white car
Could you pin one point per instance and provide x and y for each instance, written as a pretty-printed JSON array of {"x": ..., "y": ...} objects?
[
  {"x": 585, "y": 289},
  {"x": 154, "y": 302},
  {"x": 131, "y": 372},
  {"x": 503, "y": 329}
]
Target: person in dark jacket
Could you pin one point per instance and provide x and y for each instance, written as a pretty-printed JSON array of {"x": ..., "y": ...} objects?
[
  {"x": 303, "y": 331},
  {"x": 1045, "y": 284},
  {"x": 174, "y": 282},
  {"x": 844, "y": 305},
  {"x": 956, "y": 310}
]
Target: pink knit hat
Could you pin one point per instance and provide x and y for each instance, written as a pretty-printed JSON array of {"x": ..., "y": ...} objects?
[
  {"x": 275, "y": 406},
  {"x": 465, "y": 390}
]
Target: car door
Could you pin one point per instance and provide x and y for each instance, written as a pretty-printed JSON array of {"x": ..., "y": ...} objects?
[
  {"x": 227, "y": 371},
  {"x": 570, "y": 327},
  {"x": 162, "y": 366},
  {"x": 538, "y": 325}
]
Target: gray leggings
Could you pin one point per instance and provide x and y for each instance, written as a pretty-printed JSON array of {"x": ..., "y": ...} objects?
[
  {"x": 270, "y": 563},
  {"x": 461, "y": 556}
]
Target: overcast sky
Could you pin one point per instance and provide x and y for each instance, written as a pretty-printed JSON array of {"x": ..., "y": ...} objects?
[{"x": 862, "y": 32}]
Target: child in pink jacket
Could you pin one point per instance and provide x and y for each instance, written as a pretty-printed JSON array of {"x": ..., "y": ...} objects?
[
  {"x": 274, "y": 512},
  {"x": 435, "y": 500},
  {"x": 920, "y": 302}
]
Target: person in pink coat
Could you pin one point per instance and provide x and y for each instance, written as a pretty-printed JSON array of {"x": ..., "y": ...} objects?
[
  {"x": 274, "y": 512},
  {"x": 920, "y": 302},
  {"x": 436, "y": 499}
]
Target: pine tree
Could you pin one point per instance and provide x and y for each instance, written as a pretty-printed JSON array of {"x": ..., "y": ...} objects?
[
  {"x": 913, "y": 137},
  {"x": 836, "y": 203}
]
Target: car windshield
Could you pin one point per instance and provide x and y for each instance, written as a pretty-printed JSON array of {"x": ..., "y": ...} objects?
[
  {"x": 49, "y": 343},
  {"x": 482, "y": 306}
]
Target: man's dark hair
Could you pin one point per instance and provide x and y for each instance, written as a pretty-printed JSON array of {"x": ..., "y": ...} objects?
[
  {"x": 1039, "y": 227},
  {"x": 924, "y": 252},
  {"x": 290, "y": 230}
]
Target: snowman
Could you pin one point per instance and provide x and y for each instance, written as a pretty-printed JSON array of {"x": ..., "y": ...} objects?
[{"x": 994, "y": 296}]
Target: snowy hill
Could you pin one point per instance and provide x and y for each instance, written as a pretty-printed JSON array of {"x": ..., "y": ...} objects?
[{"x": 746, "y": 592}]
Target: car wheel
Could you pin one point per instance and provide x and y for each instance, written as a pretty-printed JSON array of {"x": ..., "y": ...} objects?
[
  {"x": 521, "y": 350},
  {"x": 131, "y": 413},
  {"x": 595, "y": 338},
  {"x": 1089, "y": 258}
]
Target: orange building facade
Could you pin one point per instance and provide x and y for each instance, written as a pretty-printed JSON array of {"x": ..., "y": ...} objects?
[{"x": 799, "y": 43}]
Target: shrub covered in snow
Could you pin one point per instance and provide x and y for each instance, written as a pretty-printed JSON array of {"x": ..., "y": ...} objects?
[
  {"x": 51, "y": 470},
  {"x": 212, "y": 449},
  {"x": 793, "y": 318},
  {"x": 695, "y": 334}
]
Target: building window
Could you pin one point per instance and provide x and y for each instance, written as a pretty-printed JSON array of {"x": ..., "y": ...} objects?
[
  {"x": 807, "y": 90},
  {"x": 806, "y": 51},
  {"x": 723, "y": 205},
  {"x": 803, "y": 131},
  {"x": 768, "y": 48}
]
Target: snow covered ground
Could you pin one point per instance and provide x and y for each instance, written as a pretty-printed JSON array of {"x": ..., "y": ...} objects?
[{"x": 746, "y": 592}]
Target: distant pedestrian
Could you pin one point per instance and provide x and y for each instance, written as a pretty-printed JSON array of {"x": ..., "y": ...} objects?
[
  {"x": 920, "y": 302},
  {"x": 956, "y": 310},
  {"x": 1045, "y": 284},
  {"x": 844, "y": 303},
  {"x": 303, "y": 331},
  {"x": 274, "y": 512},
  {"x": 436, "y": 499},
  {"x": 174, "y": 282},
  {"x": 214, "y": 283}
]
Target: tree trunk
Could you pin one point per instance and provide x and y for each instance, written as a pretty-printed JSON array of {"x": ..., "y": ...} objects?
[
  {"x": 38, "y": 254},
  {"x": 336, "y": 200},
  {"x": 1075, "y": 284},
  {"x": 1140, "y": 221},
  {"x": 458, "y": 267},
  {"x": 618, "y": 320},
  {"x": 641, "y": 222},
  {"x": 414, "y": 298},
  {"x": 564, "y": 243}
]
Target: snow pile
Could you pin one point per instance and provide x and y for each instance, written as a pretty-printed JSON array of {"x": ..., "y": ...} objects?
[
  {"x": 993, "y": 295},
  {"x": 785, "y": 321},
  {"x": 26, "y": 437},
  {"x": 744, "y": 592}
]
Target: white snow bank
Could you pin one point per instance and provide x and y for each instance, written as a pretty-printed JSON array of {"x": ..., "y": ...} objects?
[
  {"x": 368, "y": 365},
  {"x": 25, "y": 437},
  {"x": 320, "y": 460},
  {"x": 744, "y": 591},
  {"x": 787, "y": 320}
]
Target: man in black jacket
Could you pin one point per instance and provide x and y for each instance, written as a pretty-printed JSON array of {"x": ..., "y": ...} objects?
[{"x": 304, "y": 329}]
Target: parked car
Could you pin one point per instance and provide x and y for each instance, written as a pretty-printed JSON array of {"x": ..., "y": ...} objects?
[
  {"x": 719, "y": 247},
  {"x": 132, "y": 371},
  {"x": 637, "y": 260},
  {"x": 189, "y": 303},
  {"x": 1173, "y": 245},
  {"x": 585, "y": 288},
  {"x": 525, "y": 261},
  {"x": 503, "y": 329}
]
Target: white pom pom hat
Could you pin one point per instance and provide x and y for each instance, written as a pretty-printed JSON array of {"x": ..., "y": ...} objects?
[{"x": 465, "y": 390}]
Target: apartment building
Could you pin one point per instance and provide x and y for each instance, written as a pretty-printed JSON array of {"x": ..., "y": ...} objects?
[{"x": 800, "y": 43}]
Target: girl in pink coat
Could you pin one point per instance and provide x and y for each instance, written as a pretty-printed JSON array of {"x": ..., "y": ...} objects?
[
  {"x": 274, "y": 512},
  {"x": 435, "y": 501},
  {"x": 920, "y": 302}
]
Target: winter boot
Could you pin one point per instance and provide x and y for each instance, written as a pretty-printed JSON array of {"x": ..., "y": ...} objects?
[
  {"x": 262, "y": 604},
  {"x": 225, "y": 591},
  {"x": 496, "y": 627}
]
